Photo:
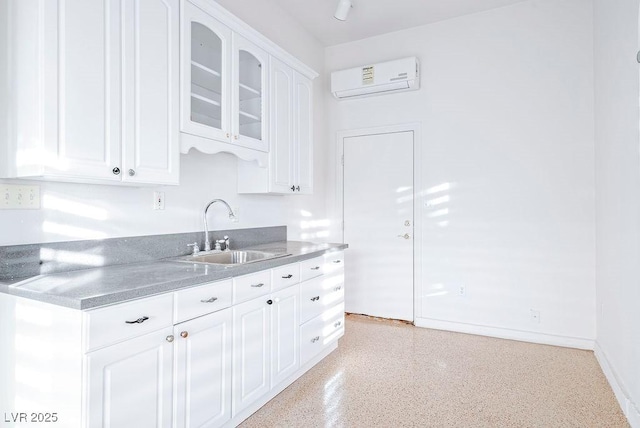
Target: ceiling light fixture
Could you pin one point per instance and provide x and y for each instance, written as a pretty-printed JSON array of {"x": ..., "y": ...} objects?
[{"x": 344, "y": 6}]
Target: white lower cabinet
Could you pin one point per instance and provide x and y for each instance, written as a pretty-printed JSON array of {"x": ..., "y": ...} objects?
[
  {"x": 322, "y": 306},
  {"x": 130, "y": 384},
  {"x": 251, "y": 352},
  {"x": 189, "y": 358},
  {"x": 323, "y": 330},
  {"x": 285, "y": 345},
  {"x": 203, "y": 370},
  {"x": 265, "y": 349}
]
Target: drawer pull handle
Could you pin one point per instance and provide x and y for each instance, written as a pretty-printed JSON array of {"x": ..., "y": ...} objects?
[
  {"x": 170, "y": 338},
  {"x": 337, "y": 261},
  {"x": 315, "y": 339},
  {"x": 337, "y": 289},
  {"x": 211, "y": 300},
  {"x": 287, "y": 277},
  {"x": 338, "y": 324},
  {"x": 257, "y": 285},
  {"x": 138, "y": 321},
  {"x": 315, "y": 268},
  {"x": 313, "y": 299}
]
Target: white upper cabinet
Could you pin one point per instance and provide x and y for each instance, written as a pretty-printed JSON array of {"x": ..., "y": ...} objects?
[
  {"x": 290, "y": 166},
  {"x": 250, "y": 65},
  {"x": 151, "y": 61},
  {"x": 206, "y": 76},
  {"x": 303, "y": 134},
  {"x": 282, "y": 154},
  {"x": 224, "y": 87},
  {"x": 92, "y": 88},
  {"x": 227, "y": 85}
]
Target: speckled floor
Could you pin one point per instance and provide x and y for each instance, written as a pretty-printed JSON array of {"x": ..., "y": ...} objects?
[{"x": 389, "y": 374}]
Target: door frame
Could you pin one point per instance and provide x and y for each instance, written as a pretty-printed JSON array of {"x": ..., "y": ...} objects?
[{"x": 416, "y": 128}]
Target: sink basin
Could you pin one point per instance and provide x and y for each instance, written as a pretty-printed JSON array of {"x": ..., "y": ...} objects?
[{"x": 231, "y": 258}]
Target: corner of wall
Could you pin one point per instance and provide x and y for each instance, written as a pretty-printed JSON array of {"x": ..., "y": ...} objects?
[{"x": 629, "y": 408}]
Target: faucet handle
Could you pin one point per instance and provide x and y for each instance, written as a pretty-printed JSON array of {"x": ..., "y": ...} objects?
[
  {"x": 227, "y": 244},
  {"x": 196, "y": 248}
]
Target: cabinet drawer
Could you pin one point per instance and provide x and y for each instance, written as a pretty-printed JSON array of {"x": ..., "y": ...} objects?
[
  {"x": 285, "y": 276},
  {"x": 250, "y": 286},
  {"x": 320, "y": 332},
  {"x": 319, "y": 294},
  {"x": 333, "y": 261},
  {"x": 311, "y": 302},
  {"x": 311, "y": 268},
  {"x": 124, "y": 321},
  {"x": 205, "y": 299}
]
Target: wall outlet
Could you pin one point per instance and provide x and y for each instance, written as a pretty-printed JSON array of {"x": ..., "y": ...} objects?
[
  {"x": 19, "y": 197},
  {"x": 535, "y": 316},
  {"x": 236, "y": 218},
  {"x": 158, "y": 200},
  {"x": 462, "y": 290}
]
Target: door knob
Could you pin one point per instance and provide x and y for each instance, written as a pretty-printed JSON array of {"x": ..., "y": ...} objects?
[
  {"x": 407, "y": 222},
  {"x": 405, "y": 236}
]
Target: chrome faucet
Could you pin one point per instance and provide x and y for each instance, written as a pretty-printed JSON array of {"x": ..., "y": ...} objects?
[{"x": 207, "y": 243}]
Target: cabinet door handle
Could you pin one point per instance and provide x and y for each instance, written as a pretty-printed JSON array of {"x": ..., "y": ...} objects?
[
  {"x": 170, "y": 338},
  {"x": 116, "y": 171},
  {"x": 315, "y": 268},
  {"x": 337, "y": 288},
  {"x": 269, "y": 302},
  {"x": 337, "y": 261},
  {"x": 138, "y": 321},
  {"x": 257, "y": 285},
  {"x": 298, "y": 188},
  {"x": 132, "y": 172},
  {"x": 315, "y": 339},
  {"x": 184, "y": 334},
  {"x": 338, "y": 324},
  {"x": 227, "y": 135},
  {"x": 313, "y": 299},
  {"x": 211, "y": 300},
  {"x": 293, "y": 188},
  {"x": 287, "y": 277}
]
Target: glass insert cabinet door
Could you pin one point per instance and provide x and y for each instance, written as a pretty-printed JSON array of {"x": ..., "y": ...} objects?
[
  {"x": 206, "y": 75},
  {"x": 248, "y": 104}
]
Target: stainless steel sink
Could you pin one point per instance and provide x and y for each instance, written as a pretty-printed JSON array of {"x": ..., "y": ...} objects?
[{"x": 231, "y": 258}]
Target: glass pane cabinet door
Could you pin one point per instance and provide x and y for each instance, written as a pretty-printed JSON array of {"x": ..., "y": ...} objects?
[
  {"x": 249, "y": 127},
  {"x": 206, "y": 75},
  {"x": 250, "y": 96}
]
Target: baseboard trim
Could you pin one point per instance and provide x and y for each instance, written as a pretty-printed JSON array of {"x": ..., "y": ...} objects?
[
  {"x": 629, "y": 409},
  {"x": 505, "y": 333}
]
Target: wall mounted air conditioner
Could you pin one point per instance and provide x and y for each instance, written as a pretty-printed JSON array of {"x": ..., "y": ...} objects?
[{"x": 383, "y": 78}]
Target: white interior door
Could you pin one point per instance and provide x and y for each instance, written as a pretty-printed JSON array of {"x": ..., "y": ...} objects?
[{"x": 378, "y": 224}]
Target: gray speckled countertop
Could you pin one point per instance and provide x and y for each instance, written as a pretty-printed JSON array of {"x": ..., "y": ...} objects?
[{"x": 92, "y": 288}]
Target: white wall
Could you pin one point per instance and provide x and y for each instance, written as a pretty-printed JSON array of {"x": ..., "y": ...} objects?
[
  {"x": 77, "y": 211},
  {"x": 506, "y": 107},
  {"x": 618, "y": 198}
]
